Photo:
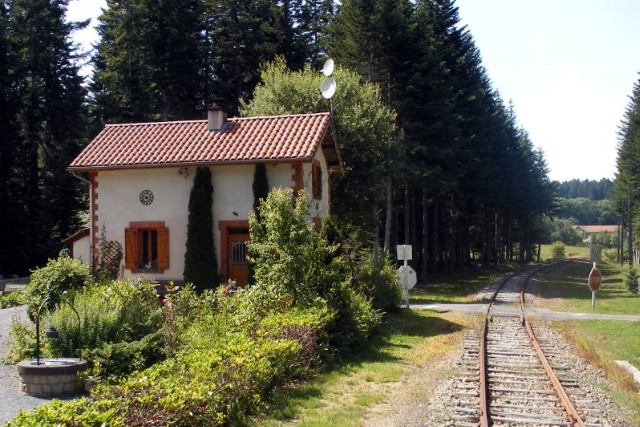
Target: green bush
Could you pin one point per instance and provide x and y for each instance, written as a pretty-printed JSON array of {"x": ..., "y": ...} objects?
[
  {"x": 113, "y": 361},
  {"x": 296, "y": 266},
  {"x": 109, "y": 314},
  {"x": 631, "y": 280},
  {"x": 558, "y": 250},
  {"x": 378, "y": 282},
  {"x": 50, "y": 282},
  {"x": 120, "y": 311},
  {"x": 215, "y": 386},
  {"x": 12, "y": 299}
]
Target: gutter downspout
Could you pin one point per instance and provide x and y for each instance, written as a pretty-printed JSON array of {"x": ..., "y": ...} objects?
[{"x": 75, "y": 174}]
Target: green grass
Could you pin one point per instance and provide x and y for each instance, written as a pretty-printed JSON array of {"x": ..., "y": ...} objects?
[
  {"x": 399, "y": 365},
  {"x": 570, "y": 252},
  {"x": 564, "y": 288},
  {"x": 366, "y": 384},
  {"x": 458, "y": 288}
]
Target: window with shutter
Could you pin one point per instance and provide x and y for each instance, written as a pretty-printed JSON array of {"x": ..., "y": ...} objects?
[
  {"x": 316, "y": 180},
  {"x": 146, "y": 246}
]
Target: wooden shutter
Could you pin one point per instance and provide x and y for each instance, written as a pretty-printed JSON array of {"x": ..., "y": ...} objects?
[
  {"x": 131, "y": 256},
  {"x": 163, "y": 248}
]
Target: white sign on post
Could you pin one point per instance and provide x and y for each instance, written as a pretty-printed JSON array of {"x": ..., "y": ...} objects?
[
  {"x": 406, "y": 274},
  {"x": 404, "y": 252},
  {"x": 407, "y": 277}
]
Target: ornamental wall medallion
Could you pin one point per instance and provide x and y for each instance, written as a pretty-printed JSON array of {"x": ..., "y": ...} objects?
[{"x": 146, "y": 197}]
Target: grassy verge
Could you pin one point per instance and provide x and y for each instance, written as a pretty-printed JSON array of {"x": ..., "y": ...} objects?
[
  {"x": 546, "y": 253},
  {"x": 601, "y": 342},
  {"x": 458, "y": 288},
  {"x": 400, "y": 366},
  {"x": 390, "y": 371}
]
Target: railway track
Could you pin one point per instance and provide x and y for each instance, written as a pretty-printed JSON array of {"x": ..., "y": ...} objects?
[{"x": 512, "y": 376}]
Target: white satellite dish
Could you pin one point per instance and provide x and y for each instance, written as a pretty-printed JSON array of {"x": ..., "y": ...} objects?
[
  {"x": 328, "y": 87},
  {"x": 328, "y": 67}
]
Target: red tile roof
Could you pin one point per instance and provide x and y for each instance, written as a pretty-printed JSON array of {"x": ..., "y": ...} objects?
[
  {"x": 247, "y": 139},
  {"x": 597, "y": 228}
]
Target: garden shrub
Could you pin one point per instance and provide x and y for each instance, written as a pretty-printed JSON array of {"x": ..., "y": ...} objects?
[
  {"x": 631, "y": 280},
  {"x": 295, "y": 266},
  {"x": 60, "y": 275},
  {"x": 378, "y": 282},
  {"x": 305, "y": 327},
  {"x": 116, "y": 312},
  {"x": 12, "y": 299},
  {"x": 119, "y": 311},
  {"x": 113, "y": 361},
  {"x": 558, "y": 250},
  {"x": 214, "y": 387}
]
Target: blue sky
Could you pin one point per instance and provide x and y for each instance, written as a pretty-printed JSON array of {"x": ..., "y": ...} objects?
[{"x": 568, "y": 66}]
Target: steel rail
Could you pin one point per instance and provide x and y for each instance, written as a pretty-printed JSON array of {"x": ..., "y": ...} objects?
[
  {"x": 484, "y": 374},
  {"x": 484, "y": 415},
  {"x": 566, "y": 402}
]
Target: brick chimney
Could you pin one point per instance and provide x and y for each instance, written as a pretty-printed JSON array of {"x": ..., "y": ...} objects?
[{"x": 216, "y": 117}]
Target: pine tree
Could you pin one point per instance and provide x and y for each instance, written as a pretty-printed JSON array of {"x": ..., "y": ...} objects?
[
  {"x": 627, "y": 184},
  {"x": 200, "y": 265},
  {"x": 240, "y": 36},
  {"x": 12, "y": 209},
  {"x": 50, "y": 119},
  {"x": 149, "y": 63}
]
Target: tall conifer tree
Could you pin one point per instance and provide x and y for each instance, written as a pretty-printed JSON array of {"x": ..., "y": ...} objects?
[
  {"x": 200, "y": 263},
  {"x": 50, "y": 118}
]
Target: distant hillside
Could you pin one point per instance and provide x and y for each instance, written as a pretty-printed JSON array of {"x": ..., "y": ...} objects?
[{"x": 576, "y": 188}]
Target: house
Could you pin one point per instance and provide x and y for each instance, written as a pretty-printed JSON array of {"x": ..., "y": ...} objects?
[
  {"x": 141, "y": 174},
  {"x": 587, "y": 231}
]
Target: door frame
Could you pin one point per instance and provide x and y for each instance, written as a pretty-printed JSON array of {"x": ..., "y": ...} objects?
[{"x": 224, "y": 227}]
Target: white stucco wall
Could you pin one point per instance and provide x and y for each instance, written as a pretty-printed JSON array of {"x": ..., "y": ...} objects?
[
  {"x": 82, "y": 249},
  {"x": 118, "y": 203}
]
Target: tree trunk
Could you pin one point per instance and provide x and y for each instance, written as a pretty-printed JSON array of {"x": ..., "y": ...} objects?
[
  {"x": 376, "y": 236},
  {"x": 425, "y": 238},
  {"x": 435, "y": 250},
  {"x": 388, "y": 217},
  {"x": 407, "y": 215}
]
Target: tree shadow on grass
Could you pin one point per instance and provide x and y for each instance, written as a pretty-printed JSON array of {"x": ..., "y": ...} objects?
[
  {"x": 403, "y": 322},
  {"x": 284, "y": 402}
]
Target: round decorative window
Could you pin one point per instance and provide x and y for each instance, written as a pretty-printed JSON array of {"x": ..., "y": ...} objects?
[{"x": 146, "y": 197}]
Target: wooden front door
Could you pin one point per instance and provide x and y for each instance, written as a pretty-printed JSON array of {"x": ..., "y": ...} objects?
[{"x": 238, "y": 267}]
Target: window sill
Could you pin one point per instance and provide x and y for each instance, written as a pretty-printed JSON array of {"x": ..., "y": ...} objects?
[{"x": 147, "y": 270}]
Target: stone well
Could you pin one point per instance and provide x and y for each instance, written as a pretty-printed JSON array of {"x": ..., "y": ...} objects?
[{"x": 52, "y": 377}]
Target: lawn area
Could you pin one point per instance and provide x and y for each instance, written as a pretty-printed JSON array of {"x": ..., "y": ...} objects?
[
  {"x": 564, "y": 288},
  {"x": 570, "y": 252},
  {"x": 390, "y": 371},
  {"x": 400, "y": 365},
  {"x": 458, "y": 288}
]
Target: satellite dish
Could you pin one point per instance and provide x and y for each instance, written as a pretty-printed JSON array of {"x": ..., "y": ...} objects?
[
  {"x": 328, "y": 87},
  {"x": 328, "y": 67}
]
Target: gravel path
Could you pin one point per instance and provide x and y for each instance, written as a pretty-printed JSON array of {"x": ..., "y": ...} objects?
[{"x": 12, "y": 400}]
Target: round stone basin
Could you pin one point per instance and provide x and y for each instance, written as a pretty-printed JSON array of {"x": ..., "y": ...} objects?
[{"x": 52, "y": 377}]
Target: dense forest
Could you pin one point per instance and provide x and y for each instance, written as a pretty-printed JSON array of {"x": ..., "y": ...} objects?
[
  {"x": 461, "y": 180},
  {"x": 589, "y": 189},
  {"x": 625, "y": 191}
]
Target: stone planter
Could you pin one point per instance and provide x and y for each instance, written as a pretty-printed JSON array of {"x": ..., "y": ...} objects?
[{"x": 52, "y": 377}]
